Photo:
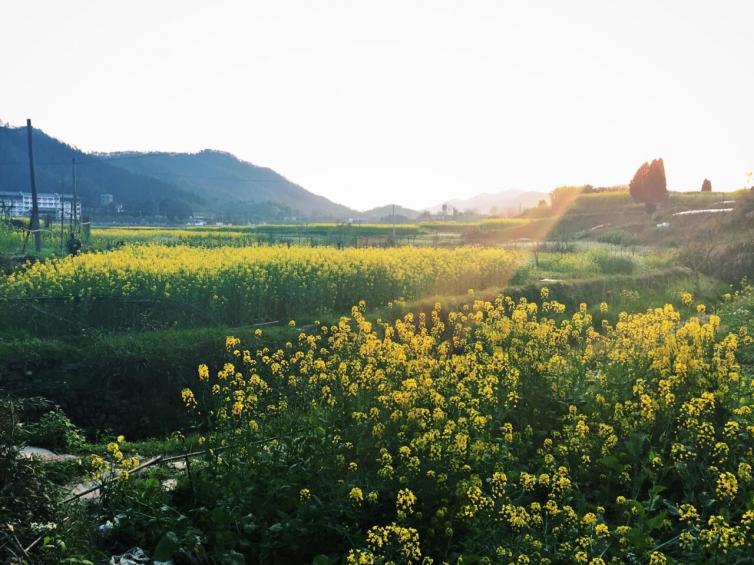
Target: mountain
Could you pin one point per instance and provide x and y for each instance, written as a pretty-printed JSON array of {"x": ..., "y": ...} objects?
[
  {"x": 211, "y": 183},
  {"x": 505, "y": 203},
  {"x": 385, "y": 214},
  {"x": 229, "y": 184},
  {"x": 173, "y": 185},
  {"x": 140, "y": 195}
]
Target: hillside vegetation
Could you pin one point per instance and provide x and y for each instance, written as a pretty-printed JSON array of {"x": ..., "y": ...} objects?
[
  {"x": 172, "y": 186},
  {"x": 231, "y": 186},
  {"x": 140, "y": 194}
]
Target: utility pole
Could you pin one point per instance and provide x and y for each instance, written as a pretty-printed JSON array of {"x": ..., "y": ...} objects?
[
  {"x": 34, "y": 206},
  {"x": 62, "y": 221},
  {"x": 393, "y": 222},
  {"x": 75, "y": 197}
]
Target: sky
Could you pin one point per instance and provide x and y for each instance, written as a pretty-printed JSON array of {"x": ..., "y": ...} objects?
[{"x": 408, "y": 102}]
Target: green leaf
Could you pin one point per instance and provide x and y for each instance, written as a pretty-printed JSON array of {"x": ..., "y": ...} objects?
[
  {"x": 151, "y": 483},
  {"x": 657, "y": 489},
  {"x": 322, "y": 560},
  {"x": 656, "y": 521},
  {"x": 610, "y": 462},
  {"x": 166, "y": 547},
  {"x": 636, "y": 537},
  {"x": 635, "y": 444}
]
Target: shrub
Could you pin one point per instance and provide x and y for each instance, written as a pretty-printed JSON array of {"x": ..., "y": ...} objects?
[
  {"x": 29, "y": 505},
  {"x": 618, "y": 237},
  {"x": 614, "y": 264},
  {"x": 55, "y": 431},
  {"x": 504, "y": 431}
]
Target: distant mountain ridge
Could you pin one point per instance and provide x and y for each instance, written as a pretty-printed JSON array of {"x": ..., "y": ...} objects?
[
  {"x": 171, "y": 185},
  {"x": 385, "y": 213},
  {"x": 209, "y": 183},
  {"x": 53, "y": 173},
  {"x": 226, "y": 182},
  {"x": 504, "y": 203}
]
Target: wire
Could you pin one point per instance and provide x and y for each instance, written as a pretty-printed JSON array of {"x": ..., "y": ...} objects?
[{"x": 90, "y": 159}]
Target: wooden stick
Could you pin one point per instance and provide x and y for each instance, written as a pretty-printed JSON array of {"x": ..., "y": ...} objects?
[{"x": 141, "y": 467}]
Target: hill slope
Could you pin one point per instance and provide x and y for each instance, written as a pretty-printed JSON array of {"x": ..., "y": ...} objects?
[
  {"x": 141, "y": 195},
  {"x": 385, "y": 213},
  {"x": 226, "y": 182},
  {"x": 175, "y": 185}
]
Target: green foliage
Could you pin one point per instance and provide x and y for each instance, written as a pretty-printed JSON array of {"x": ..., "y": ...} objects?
[
  {"x": 738, "y": 310},
  {"x": 127, "y": 383},
  {"x": 54, "y": 430},
  {"x": 592, "y": 260},
  {"x": 614, "y": 264},
  {"x": 32, "y": 520},
  {"x": 617, "y": 237},
  {"x": 729, "y": 261}
]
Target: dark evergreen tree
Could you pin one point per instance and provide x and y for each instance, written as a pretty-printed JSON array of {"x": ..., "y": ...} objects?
[
  {"x": 707, "y": 186},
  {"x": 649, "y": 185}
]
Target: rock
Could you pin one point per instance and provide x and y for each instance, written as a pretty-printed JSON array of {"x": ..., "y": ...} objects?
[
  {"x": 29, "y": 452},
  {"x": 133, "y": 556}
]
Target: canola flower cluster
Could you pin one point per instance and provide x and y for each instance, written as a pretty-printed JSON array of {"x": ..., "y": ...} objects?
[
  {"x": 257, "y": 283},
  {"x": 115, "y": 464},
  {"x": 506, "y": 432},
  {"x": 171, "y": 236}
]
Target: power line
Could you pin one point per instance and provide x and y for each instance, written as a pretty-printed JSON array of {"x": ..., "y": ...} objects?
[{"x": 91, "y": 159}]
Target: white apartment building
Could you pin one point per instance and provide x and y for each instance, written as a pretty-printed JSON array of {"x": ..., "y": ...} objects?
[{"x": 19, "y": 203}]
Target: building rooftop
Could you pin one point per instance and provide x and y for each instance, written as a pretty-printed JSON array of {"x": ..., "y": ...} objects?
[{"x": 23, "y": 193}]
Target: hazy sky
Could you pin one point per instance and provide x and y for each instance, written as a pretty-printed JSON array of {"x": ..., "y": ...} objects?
[{"x": 406, "y": 101}]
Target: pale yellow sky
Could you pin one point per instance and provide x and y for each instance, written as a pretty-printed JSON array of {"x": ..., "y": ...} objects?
[{"x": 397, "y": 101}]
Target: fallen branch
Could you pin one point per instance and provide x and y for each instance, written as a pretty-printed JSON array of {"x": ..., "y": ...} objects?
[
  {"x": 137, "y": 469},
  {"x": 162, "y": 459}
]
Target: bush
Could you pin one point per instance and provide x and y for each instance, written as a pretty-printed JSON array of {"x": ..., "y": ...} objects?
[
  {"x": 614, "y": 264},
  {"x": 55, "y": 431},
  {"x": 144, "y": 374},
  {"x": 617, "y": 237},
  {"x": 727, "y": 261},
  {"x": 29, "y": 505}
]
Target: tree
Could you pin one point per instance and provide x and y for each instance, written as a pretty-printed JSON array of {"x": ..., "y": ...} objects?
[
  {"x": 563, "y": 196},
  {"x": 649, "y": 185},
  {"x": 707, "y": 186}
]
